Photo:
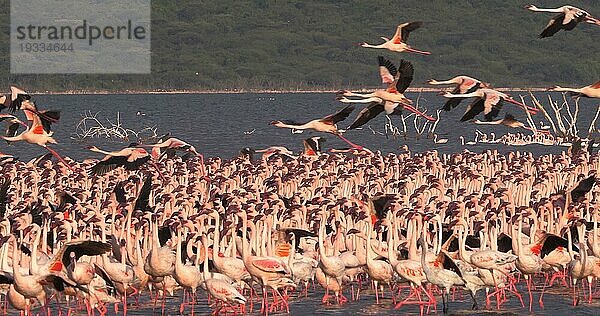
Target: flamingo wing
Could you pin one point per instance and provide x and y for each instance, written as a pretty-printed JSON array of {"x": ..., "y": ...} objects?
[
  {"x": 366, "y": 114},
  {"x": 119, "y": 193},
  {"x": 312, "y": 146},
  {"x": 510, "y": 121},
  {"x": 406, "y": 28},
  {"x": 18, "y": 96},
  {"x": 387, "y": 70},
  {"x": 339, "y": 116},
  {"x": 468, "y": 86},
  {"x": 448, "y": 263},
  {"x": 552, "y": 242},
  {"x": 405, "y": 75},
  {"x": 82, "y": 248},
  {"x": 595, "y": 85},
  {"x": 142, "y": 202},
  {"x": 492, "y": 107},
  {"x": 453, "y": 102},
  {"x": 473, "y": 109},
  {"x": 583, "y": 188},
  {"x": 268, "y": 265},
  {"x": 555, "y": 25},
  {"x": 12, "y": 130},
  {"x": 108, "y": 164}
]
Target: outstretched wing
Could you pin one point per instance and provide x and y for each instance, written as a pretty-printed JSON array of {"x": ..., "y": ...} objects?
[
  {"x": 473, "y": 109},
  {"x": 366, "y": 114},
  {"x": 406, "y": 28},
  {"x": 387, "y": 70},
  {"x": 555, "y": 24},
  {"x": 107, "y": 165},
  {"x": 339, "y": 116},
  {"x": 83, "y": 248},
  {"x": 405, "y": 76}
]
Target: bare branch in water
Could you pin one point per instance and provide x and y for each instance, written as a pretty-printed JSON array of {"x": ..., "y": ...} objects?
[{"x": 91, "y": 126}]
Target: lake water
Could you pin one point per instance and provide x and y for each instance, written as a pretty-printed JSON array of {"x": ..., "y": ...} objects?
[{"x": 215, "y": 123}]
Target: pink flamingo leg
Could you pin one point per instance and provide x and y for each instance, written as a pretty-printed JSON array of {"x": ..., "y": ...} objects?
[
  {"x": 349, "y": 142},
  {"x": 53, "y": 152},
  {"x": 416, "y": 51},
  {"x": 414, "y": 110}
]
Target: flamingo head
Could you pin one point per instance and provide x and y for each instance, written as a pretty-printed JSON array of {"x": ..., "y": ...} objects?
[
  {"x": 553, "y": 88},
  {"x": 432, "y": 81},
  {"x": 531, "y": 7}
]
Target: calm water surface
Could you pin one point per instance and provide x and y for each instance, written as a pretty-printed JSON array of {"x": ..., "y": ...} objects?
[{"x": 215, "y": 123}]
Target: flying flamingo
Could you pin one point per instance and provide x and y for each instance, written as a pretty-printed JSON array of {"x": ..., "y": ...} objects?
[
  {"x": 326, "y": 124},
  {"x": 130, "y": 158},
  {"x": 591, "y": 91},
  {"x": 391, "y": 99},
  {"x": 510, "y": 121},
  {"x": 488, "y": 101},
  {"x": 464, "y": 84},
  {"x": 398, "y": 43},
  {"x": 567, "y": 19},
  {"x": 37, "y": 135},
  {"x": 22, "y": 100},
  {"x": 174, "y": 144}
]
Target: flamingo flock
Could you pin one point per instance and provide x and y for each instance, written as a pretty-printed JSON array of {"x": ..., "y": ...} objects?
[{"x": 246, "y": 235}]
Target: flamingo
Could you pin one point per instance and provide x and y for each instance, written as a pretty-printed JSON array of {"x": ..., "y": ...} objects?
[
  {"x": 567, "y": 19},
  {"x": 444, "y": 274},
  {"x": 510, "y": 121},
  {"x": 172, "y": 143},
  {"x": 230, "y": 266},
  {"x": 378, "y": 270},
  {"x": 591, "y": 91},
  {"x": 38, "y": 135},
  {"x": 264, "y": 269},
  {"x": 388, "y": 100},
  {"x": 398, "y": 43},
  {"x": 332, "y": 266},
  {"x": 464, "y": 84},
  {"x": 301, "y": 271},
  {"x": 488, "y": 101},
  {"x": 22, "y": 100},
  {"x": 219, "y": 288},
  {"x": 130, "y": 158},
  {"x": 326, "y": 124}
]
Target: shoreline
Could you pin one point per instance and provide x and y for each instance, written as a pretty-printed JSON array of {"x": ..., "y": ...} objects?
[{"x": 242, "y": 91}]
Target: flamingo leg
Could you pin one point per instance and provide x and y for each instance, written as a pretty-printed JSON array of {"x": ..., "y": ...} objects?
[
  {"x": 414, "y": 110},
  {"x": 416, "y": 51},
  {"x": 55, "y": 154},
  {"x": 349, "y": 142}
]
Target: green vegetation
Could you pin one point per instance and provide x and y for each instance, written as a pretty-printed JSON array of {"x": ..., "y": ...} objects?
[{"x": 297, "y": 44}]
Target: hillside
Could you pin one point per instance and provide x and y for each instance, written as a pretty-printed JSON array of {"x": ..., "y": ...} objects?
[{"x": 270, "y": 44}]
